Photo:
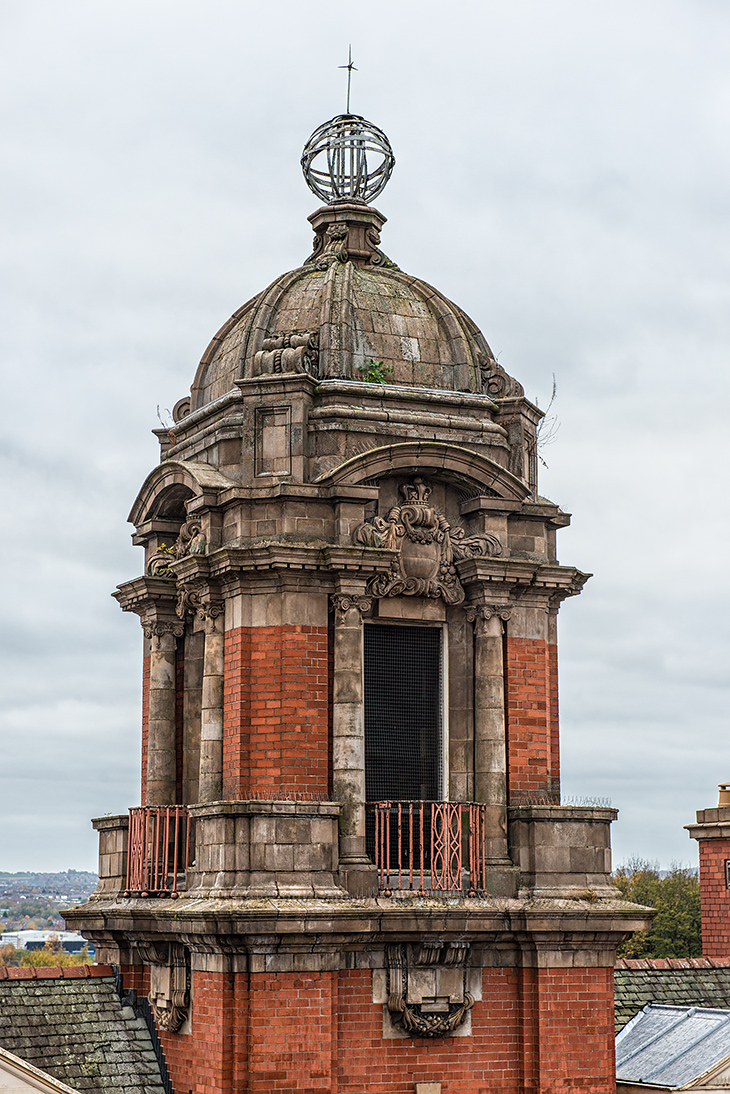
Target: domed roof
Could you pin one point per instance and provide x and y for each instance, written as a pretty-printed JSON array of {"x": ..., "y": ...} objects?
[{"x": 347, "y": 309}]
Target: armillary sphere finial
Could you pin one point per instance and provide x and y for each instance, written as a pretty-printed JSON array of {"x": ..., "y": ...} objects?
[{"x": 347, "y": 159}]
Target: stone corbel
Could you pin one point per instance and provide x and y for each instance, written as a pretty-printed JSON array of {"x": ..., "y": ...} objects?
[
  {"x": 198, "y": 598},
  {"x": 427, "y": 987},
  {"x": 169, "y": 993}
]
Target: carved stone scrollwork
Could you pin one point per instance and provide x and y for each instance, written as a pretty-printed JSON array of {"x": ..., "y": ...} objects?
[
  {"x": 159, "y": 564},
  {"x": 497, "y": 383},
  {"x": 161, "y": 628},
  {"x": 427, "y": 994},
  {"x": 295, "y": 351},
  {"x": 332, "y": 247},
  {"x": 484, "y": 612},
  {"x": 169, "y": 994},
  {"x": 343, "y": 602},
  {"x": 190, "y": 541},
  {"x": 196, "y": 600},
  {"x": 377, "y": 258},
  {"x": 427, "y": 545}
]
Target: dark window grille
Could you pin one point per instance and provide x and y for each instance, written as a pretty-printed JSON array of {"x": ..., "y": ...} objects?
[
  {"x": 402, "y": 715},
  {"x": 727, "y": 873}
]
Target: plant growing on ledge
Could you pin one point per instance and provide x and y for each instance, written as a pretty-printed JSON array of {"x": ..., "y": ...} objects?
[{"x": 375, "y": 372}]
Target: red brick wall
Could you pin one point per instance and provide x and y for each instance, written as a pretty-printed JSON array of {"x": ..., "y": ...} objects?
[
  {"x": 292, "y": 1032},
  {"x": 212, "y": 1059},
  {"x": 275, "y": 729},
  {"x": 531, "y": 686},
  {"x": 145, "y": 723},
  {"x": 536, "y": 1031},
  {"x": 486, "y": 1061},
  {"x": 571, "y": 1047},
  {"x": 715, "y": 897}
]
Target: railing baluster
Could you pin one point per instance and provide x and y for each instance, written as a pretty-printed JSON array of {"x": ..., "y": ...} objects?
[
  {"x": 452, "y": 850},
  {"x": 410, "y": 845},
  {"x": 421, "y": 845},
  {"x": 400, "y": 844},
  {"x": 157, "y": 835}
]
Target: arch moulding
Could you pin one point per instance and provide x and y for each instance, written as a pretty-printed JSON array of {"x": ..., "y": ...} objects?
[
  {"x": 449, "y": 461},
  {"x": 196, "y": 477}
]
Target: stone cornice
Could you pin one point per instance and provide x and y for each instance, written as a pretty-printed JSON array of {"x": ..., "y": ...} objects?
[
  {"x": 548, "y": 925},
  {"x": 260, "y": 558},
  {"x": 522, "y": 580},
  {"x": 709, "y": 830},
  {"x": 148, "y": 597}
]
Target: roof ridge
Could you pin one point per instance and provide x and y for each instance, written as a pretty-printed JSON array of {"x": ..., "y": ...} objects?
[
  {"x": 53, "y": 972},
  {"x": 673, "y": 962}
]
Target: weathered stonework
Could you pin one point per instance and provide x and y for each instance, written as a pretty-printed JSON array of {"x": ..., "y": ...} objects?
[{"x": 298, "y": 502}]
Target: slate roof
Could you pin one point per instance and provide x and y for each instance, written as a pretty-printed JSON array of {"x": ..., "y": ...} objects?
[
  {"x": 70, "y": 1023},
  {"x": 672, "y": 1046},
  {"x": 673, "y": 981}
]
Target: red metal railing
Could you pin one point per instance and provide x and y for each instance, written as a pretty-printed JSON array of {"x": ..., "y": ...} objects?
[
  {"x": 425, "y": 846},
  {"x": 158, "y": 853}
]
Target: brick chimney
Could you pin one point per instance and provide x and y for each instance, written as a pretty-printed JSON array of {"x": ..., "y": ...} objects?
[{"x": 712, "y": 832}]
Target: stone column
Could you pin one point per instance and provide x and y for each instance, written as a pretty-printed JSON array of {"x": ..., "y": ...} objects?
[
  {"x": 161, "y": 755},
  {"x": 348, "y": 726},
  {"x": 490, "y": 754},
  {"x": 210, "y": 784}
]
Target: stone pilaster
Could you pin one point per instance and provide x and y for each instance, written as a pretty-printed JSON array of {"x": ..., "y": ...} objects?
[
  {"x": 161, "y": 756},
  {"x": 210, "y": 785},
  {"x": 348, "y": 726},
  {"x": 490, "y": 755}
]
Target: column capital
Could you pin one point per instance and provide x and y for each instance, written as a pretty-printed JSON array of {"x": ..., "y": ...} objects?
[
  {"x": 481, "y": 614},
  {"x": 343, "y": 602},
  {"x": 158, "y": 628}
]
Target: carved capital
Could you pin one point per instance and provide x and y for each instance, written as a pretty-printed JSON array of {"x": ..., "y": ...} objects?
[
  {"x": 480, "y": 614},
  {"x": 342, "y": 602},
  {"x": 210, "y": 609},
  {"x": 159, "y": 628}
]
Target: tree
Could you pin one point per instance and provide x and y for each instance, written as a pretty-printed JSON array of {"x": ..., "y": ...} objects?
[{"x": 676, "y": 928}]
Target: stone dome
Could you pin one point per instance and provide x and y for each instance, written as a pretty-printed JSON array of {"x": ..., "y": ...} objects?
[{"x": 349, "y": 307}]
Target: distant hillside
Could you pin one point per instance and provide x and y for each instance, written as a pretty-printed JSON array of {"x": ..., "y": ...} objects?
[{"x": 33, "y": 900}]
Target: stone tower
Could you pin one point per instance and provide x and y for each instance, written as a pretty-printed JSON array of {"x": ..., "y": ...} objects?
[{"x": 350, "y": 870}]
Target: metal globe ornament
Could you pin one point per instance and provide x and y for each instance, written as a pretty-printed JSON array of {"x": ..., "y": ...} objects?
[{"x": 347, "y": 159}]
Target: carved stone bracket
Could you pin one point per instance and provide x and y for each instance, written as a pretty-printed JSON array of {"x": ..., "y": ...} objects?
[
  {"x": 295, "y": 351},
  {"x": 334, "y": 244},
  {"x": 169, "y": 993},
  {"x": 427, "y": 545},
  {"x": 427, "y": 994},
  {"x": 196, "y": 599},
  {"x": 497, "y": 383},
  {"x": 343, "y": 602},
  {"x": 190, "y": 541}
]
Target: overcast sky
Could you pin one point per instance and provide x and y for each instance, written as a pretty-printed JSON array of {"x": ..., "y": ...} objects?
[{"x": 563, "y": 173}]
